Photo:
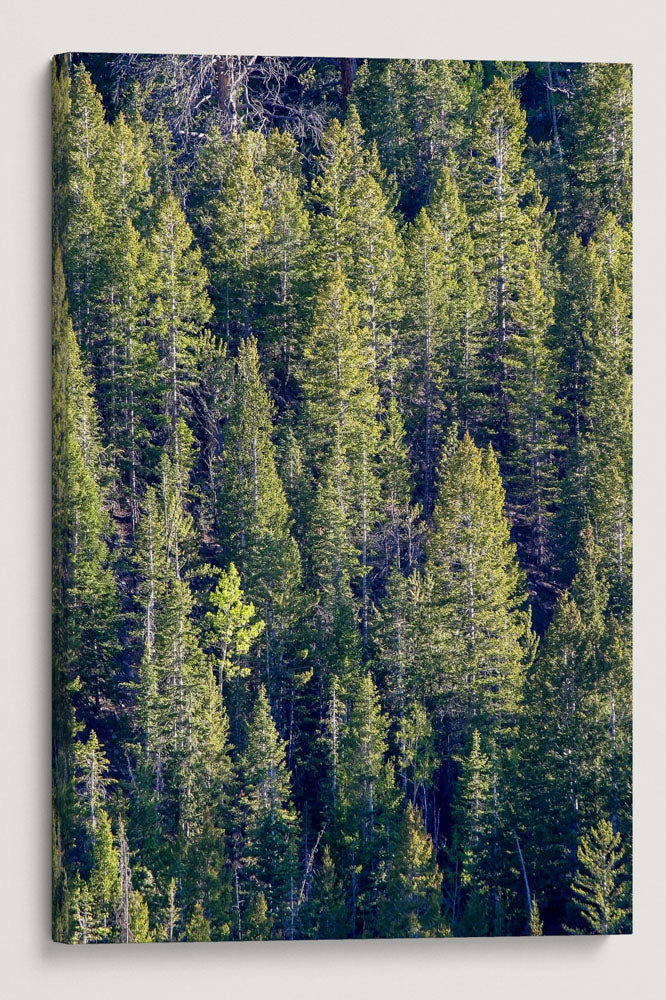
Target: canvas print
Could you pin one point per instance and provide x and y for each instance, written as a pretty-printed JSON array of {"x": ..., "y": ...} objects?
[{"x": 341, "y": 498}]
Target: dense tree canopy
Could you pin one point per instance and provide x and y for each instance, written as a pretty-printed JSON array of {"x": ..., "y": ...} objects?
[{"x": 341, "y": 498}]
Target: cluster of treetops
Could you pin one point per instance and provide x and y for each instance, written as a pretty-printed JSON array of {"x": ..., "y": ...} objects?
[{"x": 341, "y": 501}]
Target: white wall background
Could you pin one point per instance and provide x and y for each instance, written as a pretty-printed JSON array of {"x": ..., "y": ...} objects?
[{"x": 567, "y": 968}]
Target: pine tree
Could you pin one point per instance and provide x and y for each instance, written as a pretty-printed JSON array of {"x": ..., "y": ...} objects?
[
  {"x": 399, "y": 530},
  {"x": 198, "y": 926},
  {"x": 499, "y": 185},
  {"x": 426, "y": 336},
  {"x": 536, "y": 923},
  {"x": 341, "y": 405},
  {"x": 598, "y": 488},
  {"x": 446, "y": 209},
  {"x": 478, "y": 596},
  {"x": 60, "y": 102},
  {"x": 411, "y": 905},
  {"x": 325, "y": 915},
  {"x": 83, "y": 209},
  {"x": 269, "y": 821},
  {"x": 283, "y": 294},
  {"x": 182, "y": 306},
  {"x": 367, "y": 806},
  {"x": 330, "y": 192},
  {"x": 375, "y": 272},
  {"x": 475, "y": 813},
  {"x": 599, "y": 887},
  {"x": 104, "y": 879},
  {"x": 566, "y": 725},
  {"x": 599, "y": 134},
  {"x": 87, "y": 587},
  {"x": 231, "y": 624},
  {"x": 531, "y": 390},
  {"x": 235, "y": 226},
  {"x": 257, "y": 523},
  {"x": 92, "y": 768}
]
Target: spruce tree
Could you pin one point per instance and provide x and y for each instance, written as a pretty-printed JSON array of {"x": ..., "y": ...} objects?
[
  {"x": 598, "y": 131},
  {"x": 269, "y": 823},
  {"x": 257, "y": 524},
  {"x": 283, "y": 293},
  {"x": 411, "y": 904},
  {"x": 182, "y": 307},
  {"x": 599, "y": 887},
  {"x": 425, "y": 345},
  {"x": 478, "y": 596},
  {"x": 499, "y": 185}
]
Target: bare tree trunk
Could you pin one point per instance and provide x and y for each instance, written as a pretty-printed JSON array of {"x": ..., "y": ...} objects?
[{"x": 348, "y": 69}]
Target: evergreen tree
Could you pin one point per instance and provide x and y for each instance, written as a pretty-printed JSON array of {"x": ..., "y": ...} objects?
[
  {"x": 198, "y": 927},
  {"x": 531, "y": 389},
  {"x": 426, "y": 336},
  {"x": 367, "y": 805},
  {"x": 83, "y": 210},
  {"x": 411, "y": 905},
  {"x": 599, "y": 888},
  {"x": 499, "y": 186},
  {"x": 235, "y": 226},
  {"x": 341, "y": 404},
  {"x": 104, "y": 882},
  {"x": 182, "y": 307},
  {"x": 446, "y": 209},
  {"x": 269, "y": 821},
  {"x": 325, "y": 913},
  {"x": 478, "y": 597},
  {"x": 257, "y": 524},
  {"x": 283, "y": 294},
  {"x": 599, "y": 134}
]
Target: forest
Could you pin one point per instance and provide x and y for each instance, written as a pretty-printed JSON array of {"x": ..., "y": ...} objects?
[{"x": 341, "y": 498}]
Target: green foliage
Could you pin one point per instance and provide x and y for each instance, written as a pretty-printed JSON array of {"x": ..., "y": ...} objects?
[
  {"x": 197, "y": 927},
  {"x": 599, "y": 888},
  {"x": 269, "y": 823},
  {"x": 411, "y": 906},
  {"x": 340, "y": 407}
]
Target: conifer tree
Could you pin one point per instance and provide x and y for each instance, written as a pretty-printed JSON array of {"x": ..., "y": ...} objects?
[
  {"x": 531, "y": 390},
  {"x": 325, "y": 914},
  {"x": 182, "y": 306},
  {"x": 599, "y": 888},
  {"x": 269, "y": 822},
  {"x": 476, "y": 820},
  {"x": 233, "y": 630},
  {"x": 426, "y": 335},
  {"x": 104, "y": 880},
  {"x": 84, "y": 527},
  {"x": 597, "y": 488},
  {"x": 599, "y": 134},
  {"x": 411, "y": 904},
  {"x": 330, "y": 192},
  {"x": 499, "y": 185},
  {"x": 375, "y": 272},
  {"x": 257, "y": 522},
  {"x": 235, "y": 226},
  {"x": 341, "y": 406},
  {"x": 464, "y": 375},
  {"x": 478, "y": 596},
  {"x": 198, "y": 926},
  {"x": 283, "y": 294},
  {"x": 83, "y": 209},
  {"x": 399, "y": 530},
  {"x": 367, "y": 806}
]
